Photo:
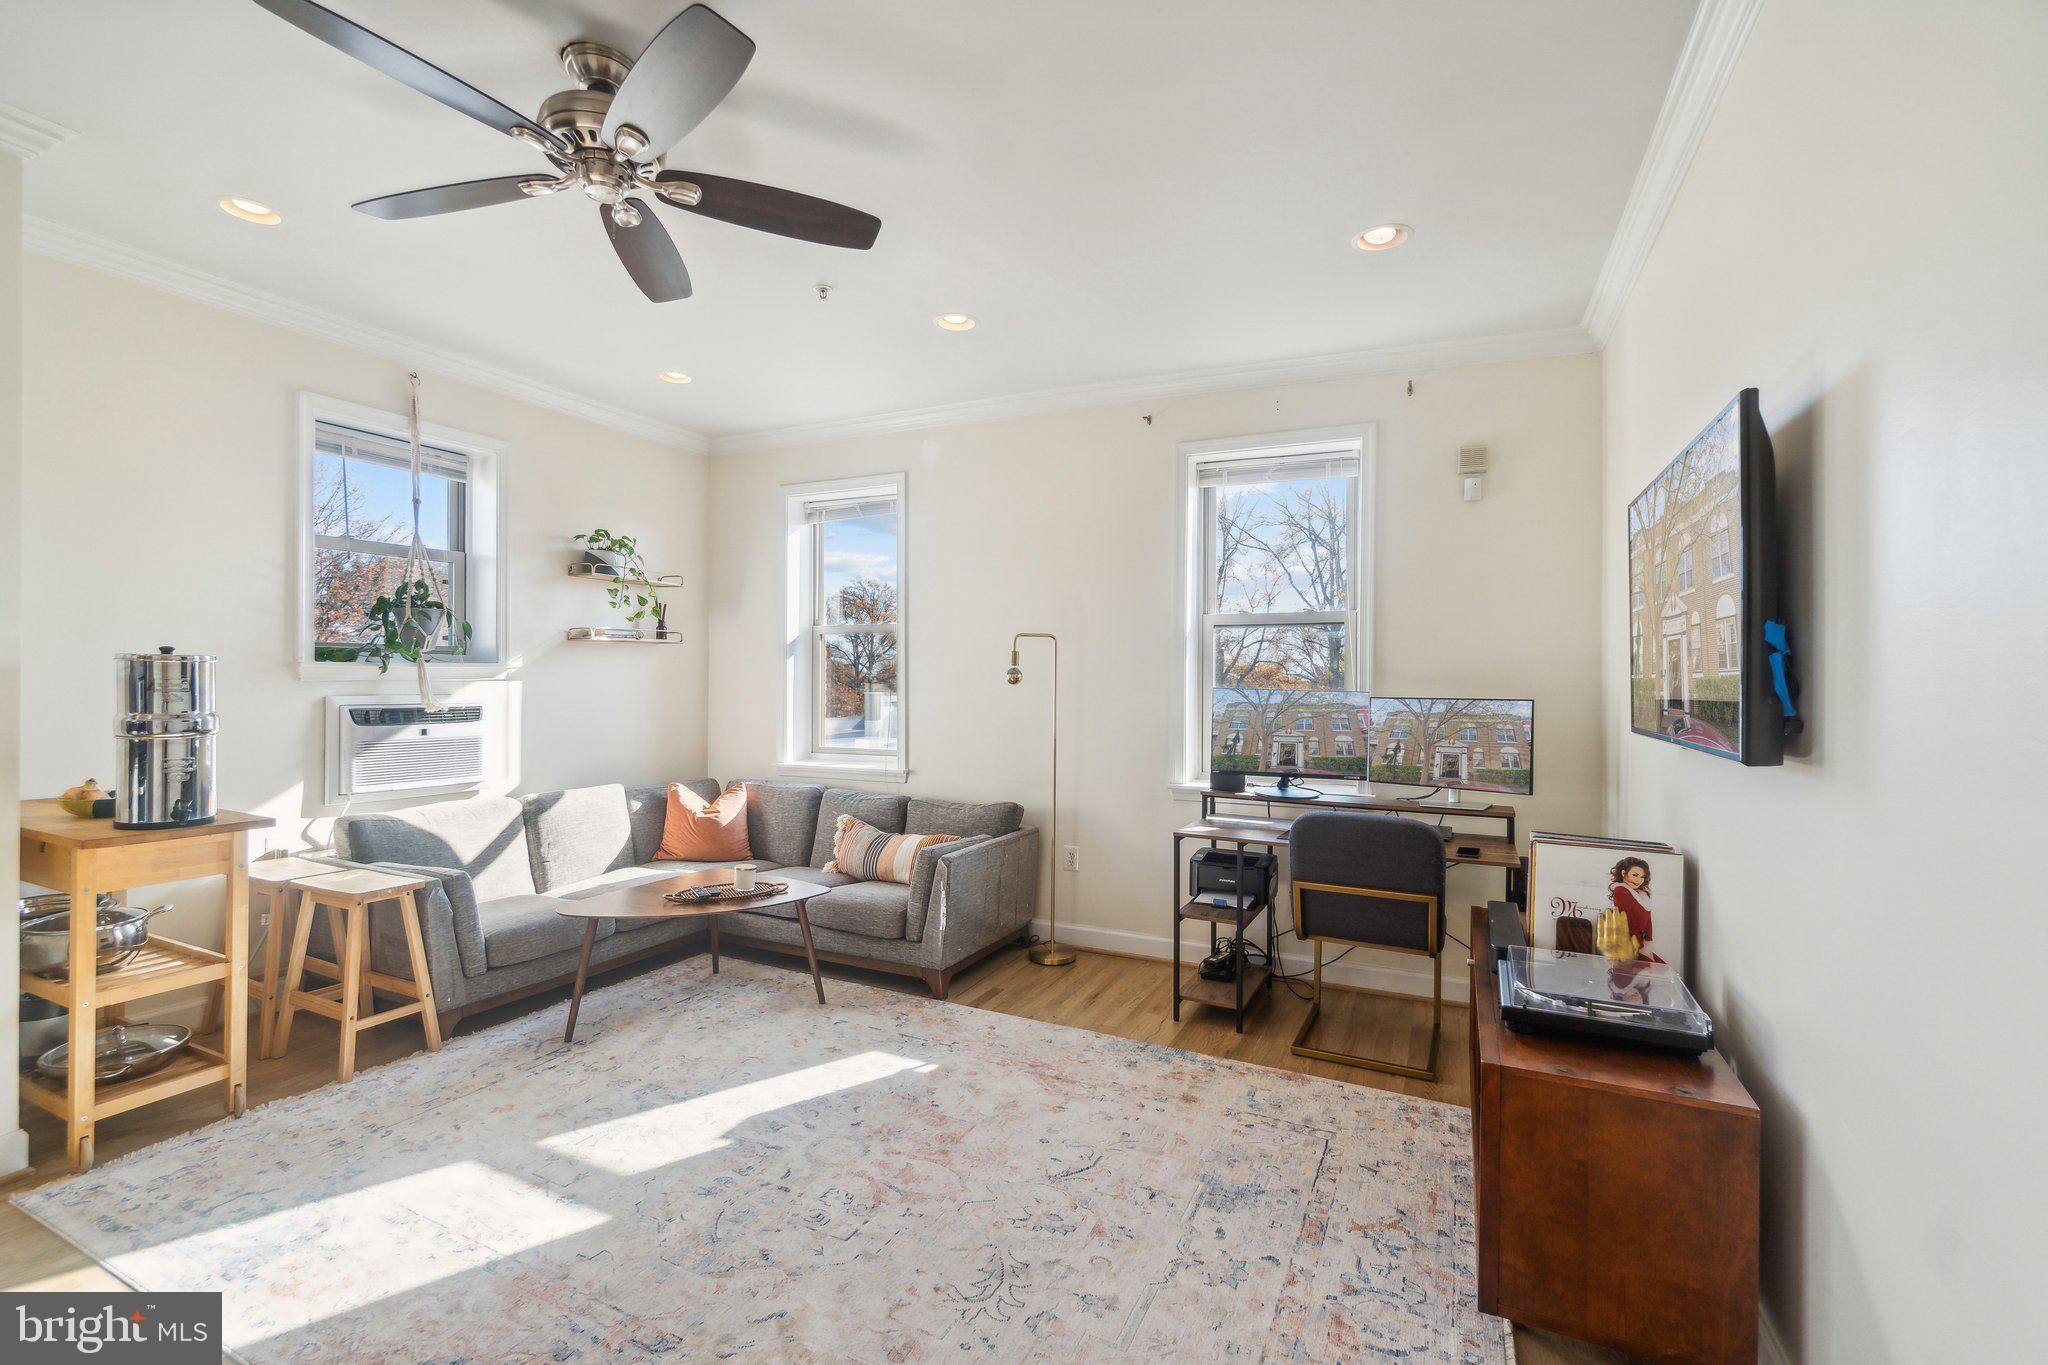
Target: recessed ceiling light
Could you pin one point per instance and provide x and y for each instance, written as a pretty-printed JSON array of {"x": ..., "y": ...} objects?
[
  {"x": 956, "y": 322},
  {"x": 674, "y": 377},
  {"x": 250, "y": 211},
  {"x": 1385, "y": 237}
]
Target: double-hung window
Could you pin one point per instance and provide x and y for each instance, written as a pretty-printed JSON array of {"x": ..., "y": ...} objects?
[
  {"x": 1276, "y": 582},
  {"x": 359, "y": 527},
  {"x": 844, "y": 638}
]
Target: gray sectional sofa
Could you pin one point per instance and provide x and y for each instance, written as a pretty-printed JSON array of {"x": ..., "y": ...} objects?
[{"x": 499, "y": 867}]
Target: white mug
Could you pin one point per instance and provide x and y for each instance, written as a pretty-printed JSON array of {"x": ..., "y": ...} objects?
[{"x": 743, "y": 876}]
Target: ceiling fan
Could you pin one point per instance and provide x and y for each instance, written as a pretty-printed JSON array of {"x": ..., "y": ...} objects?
[{"x": 607, "y": 138}]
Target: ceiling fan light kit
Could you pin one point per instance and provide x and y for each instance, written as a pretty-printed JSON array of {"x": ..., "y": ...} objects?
[{"x": 608, "y": 138}]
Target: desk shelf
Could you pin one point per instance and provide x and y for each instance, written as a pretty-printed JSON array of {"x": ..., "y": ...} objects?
[
  {"x": 1223, "y": 914},
  {"x": 1223, "y": 994}
]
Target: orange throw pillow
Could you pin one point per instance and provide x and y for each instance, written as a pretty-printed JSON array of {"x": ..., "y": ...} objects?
[{"x": 700, "y": 831}]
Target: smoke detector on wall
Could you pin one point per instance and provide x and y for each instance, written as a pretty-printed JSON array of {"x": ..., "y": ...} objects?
[{"x": 1472, "y": 471}]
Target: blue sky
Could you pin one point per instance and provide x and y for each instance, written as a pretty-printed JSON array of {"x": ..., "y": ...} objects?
[{"x": 859, "y": 547}]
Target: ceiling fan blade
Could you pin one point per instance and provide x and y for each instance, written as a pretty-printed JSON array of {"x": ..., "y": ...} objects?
[
  {"x": 691, "y": 65},
  {"x": 470, "y": 194},
  {"x": 422, "y": 75},
  {"x": 649, "y": 255},
  {"x": 783, "y": 212}
]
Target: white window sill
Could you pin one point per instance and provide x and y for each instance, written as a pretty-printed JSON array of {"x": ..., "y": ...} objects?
[
  {"x": 809, "y": 771},
  {"x": 402, "y": 675}
]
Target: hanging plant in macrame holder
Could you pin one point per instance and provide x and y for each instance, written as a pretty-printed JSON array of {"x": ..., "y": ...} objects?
[{"x": 412, "y": 621}]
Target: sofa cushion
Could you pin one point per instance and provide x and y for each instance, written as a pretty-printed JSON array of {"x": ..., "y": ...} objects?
[
  {"x": 714, "y": 831},
  {"x": 782, "y": 821},
  {"x": 647, "y": 808},
  {"x": 485, "y": 837},
  {"x": 817, "y": 876},
  {"x": 576, "y": 834},
  {"x": 883, "y": 812},
  {"x": 993, "y": 818},
  {"x": 870, "y": 909},
  {"x": 522, "y": 928},
  {"x": 872, "y": 855}
]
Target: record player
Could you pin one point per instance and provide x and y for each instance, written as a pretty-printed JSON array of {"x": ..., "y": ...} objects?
[{"x": 1636, "y": 1001}]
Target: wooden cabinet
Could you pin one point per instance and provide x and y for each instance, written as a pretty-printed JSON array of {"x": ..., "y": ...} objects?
[{"x": 1616, "y": 1188}]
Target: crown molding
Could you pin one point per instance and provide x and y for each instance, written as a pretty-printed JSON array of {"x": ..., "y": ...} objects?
[
  {"x": 29, "y": 135},
  {"x": 61, "y": 243},
  {"x": 1719, "y": 29},
  {"x": 1438, "y": 355}
]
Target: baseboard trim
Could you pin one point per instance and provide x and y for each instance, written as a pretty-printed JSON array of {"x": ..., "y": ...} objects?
[
  {"x": 13, "y": 1154},
  {"x": 1369, "y": 975}
]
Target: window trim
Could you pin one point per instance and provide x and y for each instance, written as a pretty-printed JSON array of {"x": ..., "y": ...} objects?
[
  {"x": 487, "y": 579},
  {"x": 1192, "y": 695},
  {"x": 799, "y": 750}
]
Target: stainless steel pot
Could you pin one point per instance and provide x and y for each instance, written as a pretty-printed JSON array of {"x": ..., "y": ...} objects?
[
  {"x": 45, "y": 902},
  {"x": 121, "y": 934},
  {"x": 163, "y": 682},
  {"x": 164, "y": 727},
  {"x": 43, "y": 1027}
]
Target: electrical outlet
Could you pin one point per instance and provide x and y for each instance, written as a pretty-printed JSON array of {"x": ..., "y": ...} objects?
[{"x": 1070, "y": 858}]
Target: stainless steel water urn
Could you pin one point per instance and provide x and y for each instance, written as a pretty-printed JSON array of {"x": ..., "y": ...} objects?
[{"x": 164, "y": 727}]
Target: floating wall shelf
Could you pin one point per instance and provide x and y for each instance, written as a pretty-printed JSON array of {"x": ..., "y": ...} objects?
[
  {"x": 597, "y": 574},
  {"x": 611, "y": 635}
]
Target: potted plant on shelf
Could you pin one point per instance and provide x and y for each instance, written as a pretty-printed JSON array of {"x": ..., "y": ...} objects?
[
  {"x": 405, "y": 624},
  {"x": 630, "y": 588}
]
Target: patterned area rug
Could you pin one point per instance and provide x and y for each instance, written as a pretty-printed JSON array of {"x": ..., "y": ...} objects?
[{"x": 718, "y": 1167}]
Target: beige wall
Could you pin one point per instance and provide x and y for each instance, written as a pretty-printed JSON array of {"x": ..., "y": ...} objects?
[
  {"x": 13, "y": 1143},
  {"x": 1065, "y": 522},
  {"x": 161, "y": 506},
  {"x": 1859, "y": 237}
]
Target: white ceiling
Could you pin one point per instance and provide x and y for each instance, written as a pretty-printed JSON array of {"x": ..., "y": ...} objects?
[{"x": 1116, "y": 189}]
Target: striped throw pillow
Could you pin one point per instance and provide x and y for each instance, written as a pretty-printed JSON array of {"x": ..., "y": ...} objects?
[{"x": 867, "y": 854}]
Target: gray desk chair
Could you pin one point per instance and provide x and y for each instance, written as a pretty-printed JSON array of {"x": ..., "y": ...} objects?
[{"x": 1371, "y": 880}]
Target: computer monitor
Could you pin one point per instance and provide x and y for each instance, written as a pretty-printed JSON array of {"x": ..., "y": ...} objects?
[
  {"x": 1483, "y": 744},
  {"x": 1292, "y": 734}
]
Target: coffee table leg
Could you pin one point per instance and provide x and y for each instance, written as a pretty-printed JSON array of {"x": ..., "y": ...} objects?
[
  {"x": 803, "y": 922},
  {"x": 712, "y": 920},
  {"x": 582, "y": 974}
]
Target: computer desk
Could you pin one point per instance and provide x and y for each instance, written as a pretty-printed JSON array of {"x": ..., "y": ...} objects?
[{"x": 1250, "y": 832}]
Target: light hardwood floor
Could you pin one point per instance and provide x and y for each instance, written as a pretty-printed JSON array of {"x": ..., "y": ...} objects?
[{"x": 1128, "y": 997}]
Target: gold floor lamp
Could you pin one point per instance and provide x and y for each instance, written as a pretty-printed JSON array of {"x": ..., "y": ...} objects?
[{"x": 1051, "y": 953}]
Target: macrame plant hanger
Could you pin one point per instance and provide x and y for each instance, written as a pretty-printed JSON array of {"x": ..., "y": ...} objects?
[{"x": 418, "y": 566}]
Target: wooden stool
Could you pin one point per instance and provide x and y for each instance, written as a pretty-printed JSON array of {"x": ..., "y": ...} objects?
[
  {"x": 346, "y": 896},
  {"x": 275, "y": 881}
]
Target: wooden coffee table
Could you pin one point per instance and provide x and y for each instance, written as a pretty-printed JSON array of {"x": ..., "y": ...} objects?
[{"x": 649, "y": 901}]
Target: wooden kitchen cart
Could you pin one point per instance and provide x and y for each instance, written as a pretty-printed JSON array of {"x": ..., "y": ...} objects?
[{"x": 83, "y": 858}]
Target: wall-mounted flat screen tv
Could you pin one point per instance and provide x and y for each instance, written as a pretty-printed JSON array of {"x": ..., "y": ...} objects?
[
  {"x": 1703, "y": 580},
  {"x": 1485, "y": 744}
]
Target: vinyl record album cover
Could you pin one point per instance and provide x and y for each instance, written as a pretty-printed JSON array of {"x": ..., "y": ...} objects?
[{"x": 1623, "y": 899}]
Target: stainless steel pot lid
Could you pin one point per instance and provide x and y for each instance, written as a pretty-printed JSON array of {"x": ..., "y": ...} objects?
[
  {"x": 166, "y": 654},
  {"x": 121, "y": 1051},
  {"x": 49, "y": 902}
]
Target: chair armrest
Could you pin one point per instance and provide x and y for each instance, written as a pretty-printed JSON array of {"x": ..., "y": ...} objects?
[{"x": 981, "y": 892}]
